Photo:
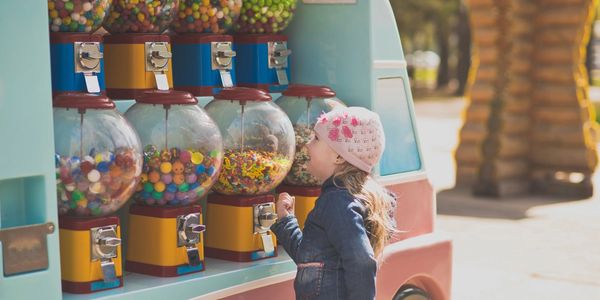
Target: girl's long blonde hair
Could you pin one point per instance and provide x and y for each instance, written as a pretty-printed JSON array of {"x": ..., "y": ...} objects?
[{"x": 379, "y": 203}]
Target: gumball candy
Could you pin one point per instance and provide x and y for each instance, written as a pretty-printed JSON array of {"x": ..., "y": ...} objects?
[
  {"x": 93, "y": 176},
  {"x": 251, "y": 172},
  {"x": 191, "y": 178},
  {"x": 169, "y": 196},
  {"x": 141, "y": 16},
  {"x": 178, "y": 179},
  {"x": 166, "y": 167},
  {"x": 216, "y": 17},
  {"x": 299, "y": 174},
  {"x": 175, "y": 172},
  {"x": 178, "y": 167},
  {"x": 260, "y": 16},
  {"x": 166, "y": 178},
  {"x": 197, "y": 158},
  {"x": 76, "y": 15},
  {"x": 98, "y": 179},
  {"x": 185, "y": 156},
  {"x": 159, "y": 187}
]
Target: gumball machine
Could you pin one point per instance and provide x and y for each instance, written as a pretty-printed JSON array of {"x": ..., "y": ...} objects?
[
  {"x": 76, "y": 53},
  {"x": 203, "y": 52},
  {"x": 258, "y": 139},
  {"x": 262, "y": 53},
  {"x": 137, "y": 54},
  {"x": 182, "y": 158},
  {"x": 304, "y": 104},
  {"x": 98, "y": 166}
]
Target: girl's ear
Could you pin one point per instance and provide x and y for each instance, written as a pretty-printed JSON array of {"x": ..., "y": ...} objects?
[{"x": 339, "y": 160}]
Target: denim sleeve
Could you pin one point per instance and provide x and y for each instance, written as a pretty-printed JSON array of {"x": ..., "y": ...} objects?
[
  {"x": 346, "y": 232},
  {"x": 288, "y": 234}
]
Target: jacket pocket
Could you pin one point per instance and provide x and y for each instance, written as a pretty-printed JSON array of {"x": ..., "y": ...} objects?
[{"x": 309, "y": 278}]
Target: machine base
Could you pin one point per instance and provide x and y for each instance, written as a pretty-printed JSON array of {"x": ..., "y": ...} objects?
[
  {"x": 162, "y": 271},
  {"x": 238, "y": 256},
  {"x": 90, "y": 287}
]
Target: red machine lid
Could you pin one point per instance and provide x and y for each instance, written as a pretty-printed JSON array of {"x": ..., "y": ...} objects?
[
  {"x": 82, "y": 101},
  {"x": 135, "y": 38},
  {"x": 164, "y": 212},
  {"x": 166, "y": 97},
  {"x": 309, "y": 91},
  {"x": 64, "y": 38},
  {"x": 240, "y": 201},
  {"x": 305, "y": 191},
  {"x": 75, "y": 223},
  {"x": 200, "y": 38},
  {"x": 259, "y": 38},
  {"x": 243, "y": 94}
]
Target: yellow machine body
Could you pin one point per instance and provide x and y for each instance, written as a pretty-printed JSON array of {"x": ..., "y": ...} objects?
[
  {"x": 126, "y": 65},
  {"x": 152, "y": 246},
  {"x": 230, "y": 232},
  {"x": 76, "y": 260},
  {"x": 80, "y": 273}
]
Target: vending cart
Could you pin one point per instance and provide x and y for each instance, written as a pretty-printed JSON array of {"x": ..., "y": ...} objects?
[{"x": 349, "y": 46}]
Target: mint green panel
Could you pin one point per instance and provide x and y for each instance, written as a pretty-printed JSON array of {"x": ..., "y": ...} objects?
[
  {"x": 331, "y": 46},
  {"x": 27, "y": 184}
]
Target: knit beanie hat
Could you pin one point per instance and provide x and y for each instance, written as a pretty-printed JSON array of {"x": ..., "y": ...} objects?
[{"x": 355, "y": 133}]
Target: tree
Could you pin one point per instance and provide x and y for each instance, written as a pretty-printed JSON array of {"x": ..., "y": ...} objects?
[{"x": 416, "y": 17}]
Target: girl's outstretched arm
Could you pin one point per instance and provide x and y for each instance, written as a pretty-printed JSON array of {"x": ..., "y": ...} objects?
[{"x": 288, "y": 234}]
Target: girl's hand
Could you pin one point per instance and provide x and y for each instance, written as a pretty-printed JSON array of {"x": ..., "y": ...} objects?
[{"x": 285, "y": 205}]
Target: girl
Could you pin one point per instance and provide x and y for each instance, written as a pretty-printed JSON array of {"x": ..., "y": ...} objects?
[{"x": 352, "y": 220}]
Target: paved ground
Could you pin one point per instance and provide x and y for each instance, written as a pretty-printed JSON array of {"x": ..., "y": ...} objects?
[{"x": 526, "y": 248}]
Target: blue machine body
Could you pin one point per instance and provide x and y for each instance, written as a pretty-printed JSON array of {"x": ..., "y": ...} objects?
[
  {"x": 62, "y": 55},
  {"x": 192, "y": 64},
  {"x": 253, "y": 63}
]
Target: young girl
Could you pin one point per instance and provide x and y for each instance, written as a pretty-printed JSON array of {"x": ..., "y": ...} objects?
[{"x": 352, "y": 220}]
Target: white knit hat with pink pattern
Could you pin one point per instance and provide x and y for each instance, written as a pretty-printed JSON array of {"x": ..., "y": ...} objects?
[{"x": 355, "y": 133}]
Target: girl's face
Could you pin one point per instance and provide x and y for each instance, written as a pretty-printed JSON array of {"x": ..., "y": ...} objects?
[{"x": 322, "y": 159}]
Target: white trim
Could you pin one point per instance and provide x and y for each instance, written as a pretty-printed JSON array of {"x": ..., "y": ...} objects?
[
  {"x": 401, "y": 178},
  {"x": 248, "y": 286},
  {"x": 389, "y": 64}
]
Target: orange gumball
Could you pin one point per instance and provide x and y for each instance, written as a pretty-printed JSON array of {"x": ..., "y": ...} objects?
[
  {"x": 154, "y": 177},
  {"x": 178, "y": 179},
  {"x": 178, "y": 167}
]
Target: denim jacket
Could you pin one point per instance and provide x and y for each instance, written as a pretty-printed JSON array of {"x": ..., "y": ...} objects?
[{"x": 334, "y": 257}]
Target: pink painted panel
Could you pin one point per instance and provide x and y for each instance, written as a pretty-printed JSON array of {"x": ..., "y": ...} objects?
[{"x": 414, "y": 211}]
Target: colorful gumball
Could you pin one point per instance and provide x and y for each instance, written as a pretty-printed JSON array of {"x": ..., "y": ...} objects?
[
  {"x": 76, "y": 15},
  {"x": 140, "y": 16},
  {"x": 216, "y": 17}
]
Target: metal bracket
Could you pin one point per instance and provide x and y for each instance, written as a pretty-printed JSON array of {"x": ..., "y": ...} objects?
[
  {"x": 189, "y": 229},
  {"x": 104, "y": 242},
  {"x": 87, "y": 57},
  {"x": 25, "y": 248},
  {"x": 264, "y": 217},
  {"x": 188, "y": 235},
  {"x": 157, "y": 56},
  {"x": 278, "y": 55},
  {"x": 222, "y": 55}
]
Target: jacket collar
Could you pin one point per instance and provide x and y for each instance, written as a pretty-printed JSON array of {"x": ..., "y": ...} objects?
[{"x": 330, "y": 183}]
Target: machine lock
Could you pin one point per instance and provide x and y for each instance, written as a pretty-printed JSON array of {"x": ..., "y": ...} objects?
[
  {"x": 105, "y": 244},
  {"x": 188, "y": 235},
  {"x": 278, "y": 60},
  {"x": 87, "y": 61},
  {"x": 222, "y": 55},
  {"x": 157, "y": 61},
  {"x": 264, "y": 217}
]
